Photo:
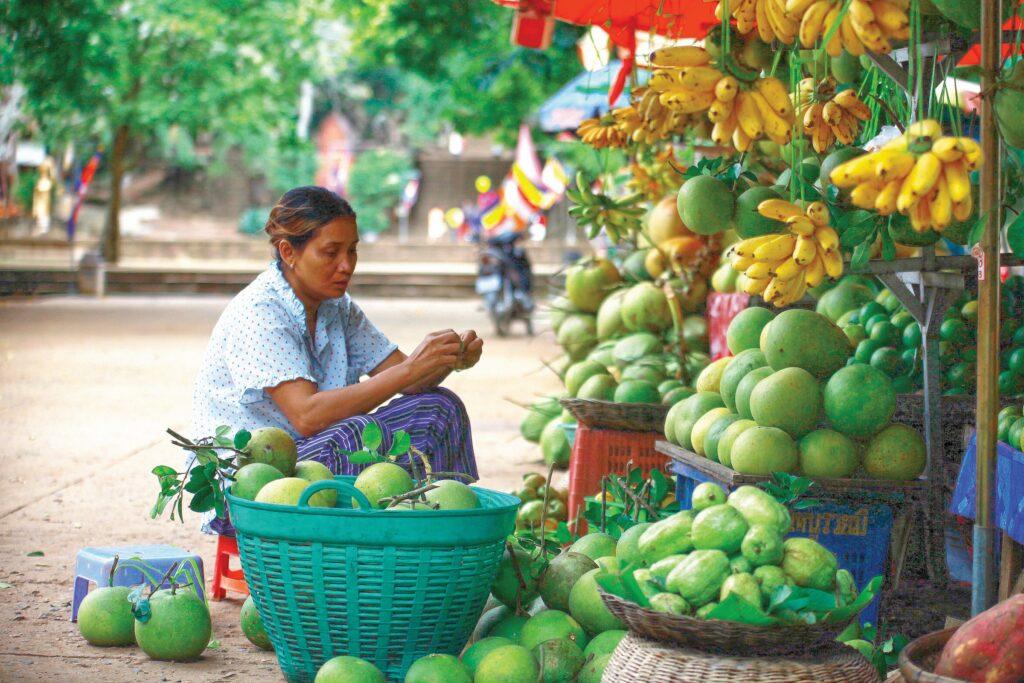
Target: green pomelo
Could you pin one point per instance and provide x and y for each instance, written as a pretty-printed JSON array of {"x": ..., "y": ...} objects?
[
  {"x": 742, "y": 363},
  {"x": 588, "y": 283},
  {"x": 476, "y": 652},
  {"x": 744, "y": 332},
  {"x": 705, "y": 204},
  {"x": 648, "y": 373},
  {"x": 580, "y": 372},
  {"x": 827, "y": 453},
  {"x": 645, "y": 308},
  {"x": 809, "y": 564},
  {"x": 438, "y": 668},
  {"x": 105, "y": 617},
  {"x": 252, "y": 626},
  {"x": 763, "y": 450},
  {"x": 561, "y": 575},
  {"x": 668, "y": 385},
  {"x": 669, "y": 536},
  {"x": 628, "y": 547},
  {"x": 599, "y": 388},
  {"x": 689, "y": 411},
  {"x": 453, "y": 495},
  {"x": 669, "y": 603},
  {"x": 859, "y": 400},
  {"x": 560, "y": 307},
  {"x": 178, "y": 628},
  {"x": 554, "y": 445},
  {"x": 762, "y": 545},
  {"x": 604, "y": 643},
  {"x": 509, "y": 626},
  {"x": 897, "y": 452},
  {"x": 789, "y": 399},
  {"x": 703, "y": 425},
  {"x": 729, "y": 437},
  {"x": 705, "y": 495},
  {"x": 720, "y": 527},
  {"x": 577, "y": 335},
  {"x": 593, "y": 670},
  {"x": 250, "y": 478},
  {"x": 749, "y": 222},
  {"x": 746, "y": 387},
  {"x": 559, "y": 660},
  {"x": 311, "y": 471},
  {"x": 507, "y": 664},
  {"x": 383, "y": 480},
  {"x": 710, "y": 378},
  {"x": 743, "y": 585},
  {"x": 808, "y": 340},
  {"x": 698, "y": 578},
  {"x": 284, "y": 491},
  {"x": 847, "y": 69},
  {"x": 507, "y": 587},
  {"x": 548, "y": 624},
  {"x": 634, "y": 347},
  {"x": 609, "y": 316},
  {"x": 714, "y": 435},
  {"x": 759, "y": 508},
  {"x": 677, "y": 395},
  {"x": 348, "y": 670},
  {"x": 273, "y": 446},
  {"x": 594, "y": 545},
  {"x": 847, "y": 296},
  {"x": 587, "y": 607},
  {"x": 636, "y": 391}
]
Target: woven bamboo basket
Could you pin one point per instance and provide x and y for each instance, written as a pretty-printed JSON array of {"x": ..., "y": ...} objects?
[
  {"x": 629, "y": 417},
  {"x": 919, "y": 657},
  {"x": 639, "y": 659},
  {"x": 722, "y": 637}
]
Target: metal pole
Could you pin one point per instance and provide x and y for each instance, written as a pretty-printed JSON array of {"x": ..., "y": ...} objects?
[{"x": 983, "y": 594}]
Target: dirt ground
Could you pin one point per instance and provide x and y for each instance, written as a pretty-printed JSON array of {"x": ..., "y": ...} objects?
[{"x": 87, "y": 388}]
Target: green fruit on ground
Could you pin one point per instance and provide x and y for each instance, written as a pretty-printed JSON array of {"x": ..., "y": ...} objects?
[
  {"x": 744, "y": 586},
  {"x": 839, "y": 156},
  {"x": 859, "y": 400},
  {"x": 662, "y": 568},
  {"x": 827, "y": 453},
  {"x": 178, "y": 628},
  {"x": 249, "y": 479},
  {"x": 634, "y": 347},
  {"x": 105, "y": 617},
  {"x": 748, "y": 221},
  {"x": 760, "y": 508},
  {"x": 506, "y": 587},
  {"x": 746, "y": 387},
  {"x": 593, "y": 670},
  {"x": 897, "y": 452},
  {"x": 762, "y": 545},
  {"x": 348, "y": 670},
  {"x": 763, "y": 450},
  {"x": 587, "y": 607},
  {"x": 628, "y": 547},
  {"x": 664, "y": 222},
  {"x": 476, "y": 652},
  {"x": 312, "y": 471},
  {"x": 609, "y": 316},
  {"x": 589, "y": 282},
  {"x": 383, "y": 480},
  {"x": 594, "y": 545},
  {"x": 561, "y": 575},
  {"x": 699, "y": 577},
  {"x": 847, "y": 69},
  {"x": 669, "y": 536},
  {"x": 604, "y": 643},
  {"x": 677, "y": 395},
  {"x": 284, "y": 491},
  {"x": 559, "y": 660},
  {"x": 808, "y": 340},
  {"x": 649, "y": 373},
  {"x": 636, "y": 391},
  {"x": 770, "y": 578},
  {"x": 435, "y": 668},
  {"x": 508, "y": 664},
  {"x": 548, "y": 624},
  {"x": 846, "y": 296},
  {"x": 273, "y": 446},
  {"x": 580, "y": 372},
  {"x": 742, "y": 363},
  {"x": 577, "y": 335},
  {"x": 714, "y": 435},
  {"x": 744, "y": 331},
  {"x": 453, "y": 495},
  {"x": 703, "y": 425},
  {"x": 554, "y": 445},
  {"x": 633, "y": 268},
  {"x": 705, "y": 204},
  {"x": 789, "y": 399},
  {"x": 720, "y": 527},
  {"x": 710, "y": 377},
  {"x": 705, "y": 495},
  {"x": 729, "y": 437},
  {"x": 599, "y": 388},
  {"x": 669, "y": 603},
  {"x": 809, "y": 563},
  {"x": 644, "y": 308},
  {"x": 252, "y": 626}
]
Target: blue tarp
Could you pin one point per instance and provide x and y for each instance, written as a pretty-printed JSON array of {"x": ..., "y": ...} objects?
[
  {"x": 584, "y": 97},
  {"x": 1009, "y": 489}
]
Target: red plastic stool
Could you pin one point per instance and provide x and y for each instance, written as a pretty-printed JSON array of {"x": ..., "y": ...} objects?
[
  {"x": 224, "y": 577},
  {"x": 597, "y": 452}
]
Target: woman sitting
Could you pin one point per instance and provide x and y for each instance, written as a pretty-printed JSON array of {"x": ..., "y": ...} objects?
[{"x": 290, "y": 349}]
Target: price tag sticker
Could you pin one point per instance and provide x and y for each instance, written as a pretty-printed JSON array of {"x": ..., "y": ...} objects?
[{"x": 979, "y": 254}]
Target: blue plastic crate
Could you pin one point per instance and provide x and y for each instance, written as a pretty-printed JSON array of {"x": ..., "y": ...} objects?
[{"x": 858, "y": 536}]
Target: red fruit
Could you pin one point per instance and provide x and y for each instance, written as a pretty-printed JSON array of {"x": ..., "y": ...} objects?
[{"x": 989, "y": 648}]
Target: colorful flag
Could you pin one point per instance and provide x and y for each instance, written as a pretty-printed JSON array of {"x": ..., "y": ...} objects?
[{"x": 83, "y": 186}]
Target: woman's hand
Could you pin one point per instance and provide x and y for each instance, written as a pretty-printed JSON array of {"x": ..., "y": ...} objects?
[
  {"x": 472, "y": 348},
  {"x": 435, "y": 357}
]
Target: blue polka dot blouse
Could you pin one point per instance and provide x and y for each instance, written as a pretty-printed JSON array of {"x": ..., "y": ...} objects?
[{"x": 261, "y": 340}]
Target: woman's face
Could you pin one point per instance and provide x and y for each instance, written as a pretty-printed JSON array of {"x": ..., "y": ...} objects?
[{"x": 324, "y": 266}]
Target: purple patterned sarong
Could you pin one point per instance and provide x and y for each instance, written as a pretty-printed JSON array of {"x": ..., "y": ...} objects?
[{"x": 437, "y": 424}]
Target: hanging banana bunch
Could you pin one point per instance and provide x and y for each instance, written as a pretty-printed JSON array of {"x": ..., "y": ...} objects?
[
  {"x": 828, "y": 116},
  {"x": 647, "y": 120},
  {"x": 781, "y": 267},
  {"x": 922, "y": 174},
  {"x": 652, "y": 173},
  {"x": 768, "y": 17},
  {"x": 602, "y": 131},
  {"x": 866, "y": 24},
  {"x": 620, "y": 218}
]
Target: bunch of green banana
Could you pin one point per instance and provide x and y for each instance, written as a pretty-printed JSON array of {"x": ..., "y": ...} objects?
[{"x": 620, "y": 218}]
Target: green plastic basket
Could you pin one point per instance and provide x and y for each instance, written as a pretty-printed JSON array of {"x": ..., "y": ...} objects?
[{"x": 387, "y": 586}]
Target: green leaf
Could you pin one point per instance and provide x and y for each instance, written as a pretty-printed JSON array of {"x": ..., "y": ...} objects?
[
  {"x": 847, "y": 612},
  {"x": 781, "y": 594},
  {"x": 218, "y": 503},
  {"x": 736, "y": 608},
  {"x": 214, "y": 644},
  {"x": 161, "y": 503},
  {"x": 1015, "y": 235},
  {"x": 888, "y": 246},
  {"x": 372, "y": 436},
  {"x": 35, "y": 553},
  {"x": 861, "y": 254},
  {"x": 4, "y": 585},
  {"x": 363, "y": 457},
  {"x": 162, "y": 471},
  {"x": 562, "y": 534},
  {"x": 224, "y": 442},
  {"x": 241, "y": 439},
  {"x": 977, "y": 231},
  {"x": 659, "y": 487},
  {"x": 622, "y": 584},
  {"x": 222, "y": 430},
  {"x": 203, "y": 501},
  {"x": 206, "y": 455},
  {"x": 400, "y": 443}
]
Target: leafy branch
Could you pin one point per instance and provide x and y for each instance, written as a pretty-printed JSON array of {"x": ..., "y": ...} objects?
[{"x": 789, "y": 490}]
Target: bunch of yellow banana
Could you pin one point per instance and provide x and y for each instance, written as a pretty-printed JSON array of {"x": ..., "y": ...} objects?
[
  {"x": 769, "y": 17},
  {"x": 602, "y": 132},
  {"x": 828, "y": 116},
  {"x": 647, "y": 120},
  {"x": 921, "y": 174},
  {"x": 780, "y": 267},
  {"x": 741, "y": 116},
  {"x": 870, "y": 24}
]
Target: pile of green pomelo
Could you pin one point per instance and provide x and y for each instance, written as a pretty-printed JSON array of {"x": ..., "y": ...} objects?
[{"x": 790, "y": 400}]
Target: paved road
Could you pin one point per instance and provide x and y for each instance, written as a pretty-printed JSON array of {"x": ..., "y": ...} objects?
[{"x": 87, "y": 388}]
